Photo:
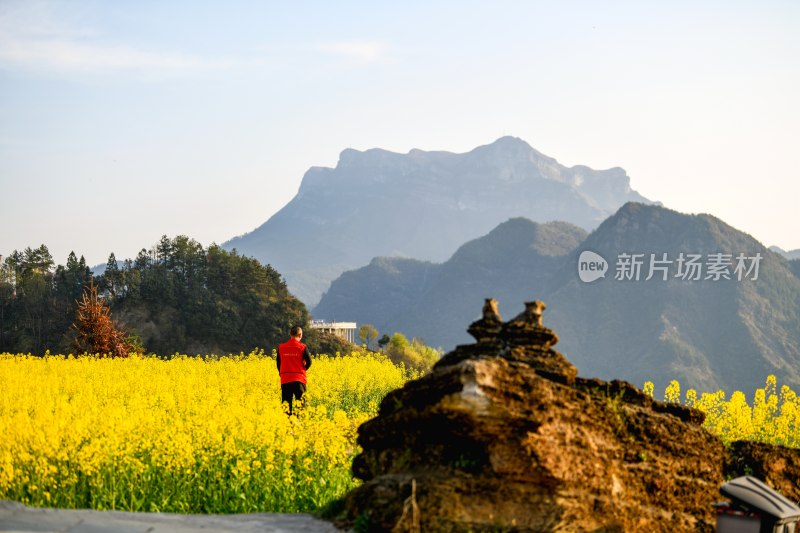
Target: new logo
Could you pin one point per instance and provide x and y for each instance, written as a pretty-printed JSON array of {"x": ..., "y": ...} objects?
[{"x": 591, "y": 266}]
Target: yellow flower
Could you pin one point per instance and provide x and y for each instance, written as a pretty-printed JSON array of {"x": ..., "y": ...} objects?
[{"x": 91, "y": 431}]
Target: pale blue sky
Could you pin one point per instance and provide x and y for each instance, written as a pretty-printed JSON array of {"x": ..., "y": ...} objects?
[{"x": 124, "y": 121}]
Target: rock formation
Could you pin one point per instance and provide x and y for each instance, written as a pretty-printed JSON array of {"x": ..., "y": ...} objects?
[
  {"x": 777, "y": 466},
  {"x": 503, "y": 436}
]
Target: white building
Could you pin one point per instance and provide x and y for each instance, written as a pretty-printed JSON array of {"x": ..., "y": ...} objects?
[{"x": 343, "y": 330}]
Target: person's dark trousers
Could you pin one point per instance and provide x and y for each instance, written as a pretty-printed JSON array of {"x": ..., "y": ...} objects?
[{"x": 292, "y": 390}]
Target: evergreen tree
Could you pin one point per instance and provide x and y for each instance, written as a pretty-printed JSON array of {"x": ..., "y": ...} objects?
[
  {"x": 8, "y": 322},
  {"x": 112, "y": 277},
  {"x": 383, "y": 341},
  {"x": 67, "y": 289},
  {"x": 34, "y": 298}
]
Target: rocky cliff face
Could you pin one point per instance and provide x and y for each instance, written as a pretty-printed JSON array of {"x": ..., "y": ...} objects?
[
  {"x": 503, "y": 435},
  {"x": 422, "y": 205}
]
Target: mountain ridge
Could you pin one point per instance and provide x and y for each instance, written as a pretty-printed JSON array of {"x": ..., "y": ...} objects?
[
  {"x": 364, "y": 207},
  {"x": 707, "y": 333},
  {"x": 788, "y": 254}
]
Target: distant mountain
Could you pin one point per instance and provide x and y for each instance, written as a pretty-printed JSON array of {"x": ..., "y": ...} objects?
[
  {"x": 422, "y": 205},
  {"x": 794, "y": 265},
  {"x": 791, "y": 254},
  {"x": 708, "y": 333},
  {"x": 434, "y": 301}
]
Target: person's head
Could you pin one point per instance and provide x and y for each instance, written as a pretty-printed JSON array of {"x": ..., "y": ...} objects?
[{"x": 296, "y": 332}]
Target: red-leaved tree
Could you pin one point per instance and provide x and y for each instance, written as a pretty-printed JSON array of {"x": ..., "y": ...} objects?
[{"x": 96, "y": 332}]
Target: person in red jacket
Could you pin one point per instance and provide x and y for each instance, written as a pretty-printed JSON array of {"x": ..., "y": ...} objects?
[{"x": 293, "y": 361}]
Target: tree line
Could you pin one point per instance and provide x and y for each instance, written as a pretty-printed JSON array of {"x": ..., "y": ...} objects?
[
  {"x": 175, "y": 297},
  {"x": 37, "y": 300}
]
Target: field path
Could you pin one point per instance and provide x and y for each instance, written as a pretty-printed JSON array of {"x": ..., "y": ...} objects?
[{"x": 15, "y": 517}]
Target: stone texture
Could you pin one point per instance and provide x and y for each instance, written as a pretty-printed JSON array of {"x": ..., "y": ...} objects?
[
  {"x": 777, "y": 466},
  {"x": 503, "y": 435}
]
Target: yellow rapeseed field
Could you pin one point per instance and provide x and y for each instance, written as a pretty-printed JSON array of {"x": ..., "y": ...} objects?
[
  {"x": 773, "y": 418},
  {"x": 181, "y": 435},
  {"x": 209, "y": 435}
]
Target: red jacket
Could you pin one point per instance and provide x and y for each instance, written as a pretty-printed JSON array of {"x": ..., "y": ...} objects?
[{"x": 293, "y": 360}]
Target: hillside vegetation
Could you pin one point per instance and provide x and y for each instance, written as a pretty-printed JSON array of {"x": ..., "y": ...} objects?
[{"x": 175, "y": 297}]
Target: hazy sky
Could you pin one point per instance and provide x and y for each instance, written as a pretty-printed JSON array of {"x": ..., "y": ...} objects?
[{"x": 124, "y": 121}]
